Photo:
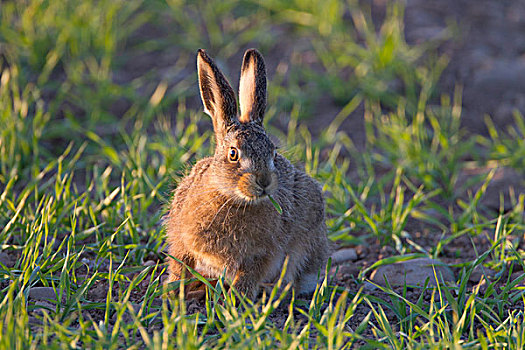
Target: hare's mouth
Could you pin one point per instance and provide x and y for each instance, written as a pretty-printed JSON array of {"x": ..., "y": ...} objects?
[
  {"x": 251, "y": 189},
  {"x": 251, "y": 197}
]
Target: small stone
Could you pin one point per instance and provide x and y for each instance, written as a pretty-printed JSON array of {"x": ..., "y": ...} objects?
[
  {"x": 386, "y": 251},
  {"x": 43, "y": 305},
  {"x": 369, "y": 286},
  {"x": 480, "y": 272},
  {"x": 98, "y": 291},
  {"x": 150, "y": 263},
  {"x": 413, "y": 272},
  {"x": 346, "y": 270},
  {"x": 343, "y": 255},
  {"x": 361, "y": 251},
  {"x": 7, "y": 260},
  {"x": 42, "y": 293}
]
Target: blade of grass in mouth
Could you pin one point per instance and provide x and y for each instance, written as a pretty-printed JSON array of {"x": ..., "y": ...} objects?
[{"x": 276, "y": 205}]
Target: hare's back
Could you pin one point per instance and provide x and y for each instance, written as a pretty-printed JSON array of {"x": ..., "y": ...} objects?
[
  {"x": 309, "y": 201},
  {"x": 304, "y": 193},
  {"x": 308, "y": 246}
]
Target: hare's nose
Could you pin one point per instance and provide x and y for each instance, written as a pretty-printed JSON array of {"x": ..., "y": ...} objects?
[{"x": 264, "y": 180}]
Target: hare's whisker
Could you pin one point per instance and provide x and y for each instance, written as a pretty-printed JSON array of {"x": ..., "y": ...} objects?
[
  {"x": 226, "y": 217},
  {"x": 218, "y": 211},
  {"x": 244, "y": 209}
]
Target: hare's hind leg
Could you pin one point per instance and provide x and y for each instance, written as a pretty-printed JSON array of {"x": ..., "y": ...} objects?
[
  {"x": 306, "y": 284},
  {"x": 313, "y": 271},
  {"x": 304, "y": 274}
]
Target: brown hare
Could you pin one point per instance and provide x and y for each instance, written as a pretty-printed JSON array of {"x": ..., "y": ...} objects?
[{"x": 222, "y": 219}]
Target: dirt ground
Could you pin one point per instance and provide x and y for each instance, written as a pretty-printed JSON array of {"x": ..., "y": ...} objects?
[{"x": 488, "y": 58}]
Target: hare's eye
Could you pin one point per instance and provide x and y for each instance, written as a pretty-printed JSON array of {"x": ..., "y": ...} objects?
[{"x": 233, "y": 155}]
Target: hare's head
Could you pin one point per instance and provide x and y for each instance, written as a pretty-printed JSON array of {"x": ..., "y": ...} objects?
[{"x": 243, "y": 165}]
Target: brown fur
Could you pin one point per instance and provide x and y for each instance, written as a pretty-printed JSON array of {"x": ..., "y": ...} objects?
[{"x": 221, "y": 219}]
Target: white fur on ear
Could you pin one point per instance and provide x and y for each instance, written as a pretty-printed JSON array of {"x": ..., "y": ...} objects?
[
  {"x": 247, "y": 91},
  {"x": 252, "y": 88},
  {"x": 208, "y": 102}
]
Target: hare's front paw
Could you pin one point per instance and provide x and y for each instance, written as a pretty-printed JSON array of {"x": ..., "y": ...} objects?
[{"x": 246, "y": 285}]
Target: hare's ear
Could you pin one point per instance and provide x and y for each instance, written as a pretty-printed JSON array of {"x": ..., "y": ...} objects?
[
  {"x": 252, "y": 87},
  {"x": 216, "y": 94}
]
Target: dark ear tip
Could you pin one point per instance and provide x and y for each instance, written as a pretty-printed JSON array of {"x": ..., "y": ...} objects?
[
  {"x": 201, "y": 53},
  {"x": 252, "y": 54}
]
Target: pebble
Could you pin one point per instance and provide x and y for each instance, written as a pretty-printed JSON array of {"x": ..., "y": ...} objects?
[
  {"x": 346, "y": 270},
  {"x": 343, "y": 255},
  {"x": 361, "y": 251},
  {"x": 6, "y": 260},
  {"x": 42, "y": 293},
  {"x": 480, "y": 272},
  {"x": 98, "y": 291},
  {"x": 369, "y": 286},
  {"x": 414, "y": 272},
  {"x": 43, "y": 306}
]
